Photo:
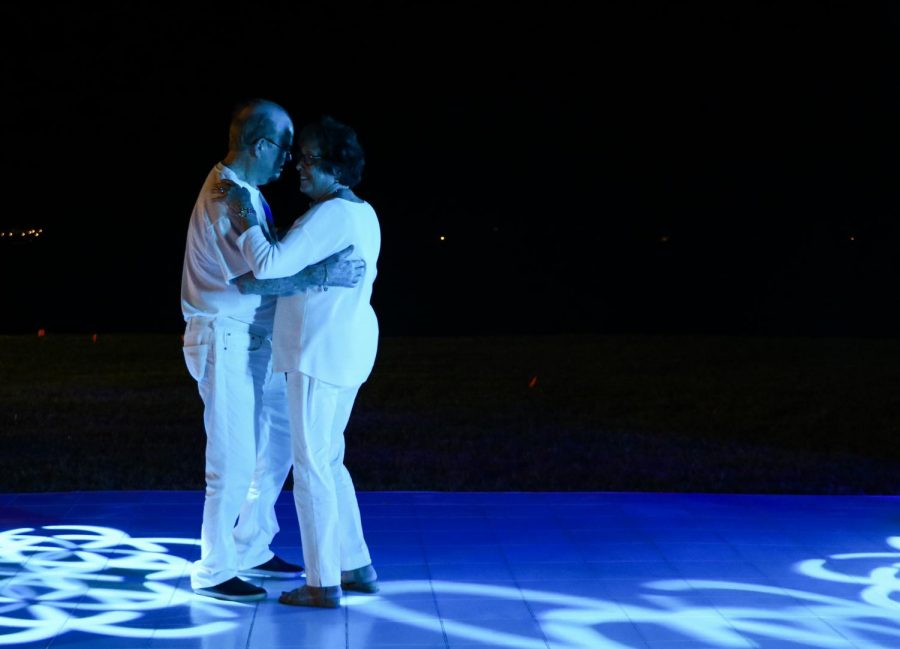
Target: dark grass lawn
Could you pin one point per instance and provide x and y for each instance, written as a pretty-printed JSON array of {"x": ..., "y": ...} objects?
[{"x": 536, "y": 413}]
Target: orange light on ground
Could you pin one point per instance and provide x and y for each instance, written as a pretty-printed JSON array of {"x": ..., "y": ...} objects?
[
  {"x": 533, "y": 381},
  {"x": 42, "y": 332}
]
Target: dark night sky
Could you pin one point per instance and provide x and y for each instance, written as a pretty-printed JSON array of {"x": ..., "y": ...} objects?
[{"x": 725, "y": 167}]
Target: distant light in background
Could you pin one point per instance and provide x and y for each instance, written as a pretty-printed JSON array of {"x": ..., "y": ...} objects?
[
  {"x": 852, "y": 238},
  {"x": 442, "y": 238},
  {"x": 42, "y": 332},
  {"x": 94, "y": 338},
  {"x": 32, "y": 233},
  {"x": 664, "y": 238},
  {"x": 533, "y": 381}
]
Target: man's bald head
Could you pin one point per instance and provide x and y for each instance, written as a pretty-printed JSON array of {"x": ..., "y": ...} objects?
[{"x": 256, "y": 119}]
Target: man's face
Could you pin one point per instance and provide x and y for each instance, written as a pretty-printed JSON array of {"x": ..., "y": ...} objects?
[{"x": 275, "y": 151}]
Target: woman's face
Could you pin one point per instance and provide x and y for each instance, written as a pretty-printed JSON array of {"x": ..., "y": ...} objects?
[{"x": 315, "y": 181}]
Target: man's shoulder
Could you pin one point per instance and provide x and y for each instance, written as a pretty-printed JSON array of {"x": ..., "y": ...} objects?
[
  {"x": 206, "y": 203},
  {"x": 214, "y": 174}
]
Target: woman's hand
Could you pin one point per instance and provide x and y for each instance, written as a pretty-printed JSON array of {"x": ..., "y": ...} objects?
[{"x": 237, "y": 201}]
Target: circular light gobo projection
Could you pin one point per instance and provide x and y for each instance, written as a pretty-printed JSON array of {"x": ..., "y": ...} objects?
[
  {"x": 100, "y": 580},
  {"x": 94, "y": 580}
]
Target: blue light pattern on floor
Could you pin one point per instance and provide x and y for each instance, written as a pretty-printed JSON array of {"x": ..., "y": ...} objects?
[{"x": 471, "y": 570}]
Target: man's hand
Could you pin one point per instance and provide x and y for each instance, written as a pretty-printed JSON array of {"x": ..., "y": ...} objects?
[
  {"x": 343, "y": 272},
  {"x": 335, "y": 270}
]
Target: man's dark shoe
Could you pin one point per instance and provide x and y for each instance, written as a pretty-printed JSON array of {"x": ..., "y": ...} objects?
[
  {"x": 234, "y": 590},
  {"x": 362, "y": 580},
  {"x": 320, "y": 597},
  {"x": 274, "y": 567}
]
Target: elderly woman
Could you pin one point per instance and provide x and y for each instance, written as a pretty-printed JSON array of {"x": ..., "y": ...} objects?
[{"x": 325, "y": 341}]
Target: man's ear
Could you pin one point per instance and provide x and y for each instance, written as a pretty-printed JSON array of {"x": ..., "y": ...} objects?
[{"x": 256, "y": 149}]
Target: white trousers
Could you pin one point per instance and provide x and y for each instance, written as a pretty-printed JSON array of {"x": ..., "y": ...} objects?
[
  {"x": 330, "y": 526},
  {"x": 247, "y": 445}
]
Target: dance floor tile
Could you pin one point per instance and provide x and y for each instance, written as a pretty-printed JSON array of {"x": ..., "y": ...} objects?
[
  {"x": 165, "y": 497},
  {"x": 467, "y": 644},
  {"x": 531, "y": 536},
  {"x": 467, "y": 570},
  {"x": 777, "y": 555},
  {"x": 616, "y": 535},
  {"x": 418, "y": 630},
  {"x": 465, "y": 554},
  {"x": 561, "y": 593},
  {"x": 544, "y": 570},
  {"x": 91, "y": 641},
  {"x": 284, "y": 626},
  {"x": 474, "y": 609},
  {"x": 423, "y": 603},
  {"x": 395, "y": 572},
  {"x": 512, "y": 514},
  {"x": 675, "y": 551},
  {"x": 207, "y": 642},
  {"x": 471, "y": 572},
  {"x": 390, "y": 510},
  {"x": 621, "y": 551},
  {"x": 543, "y": 552},
  {"x": 397, "y": 555},
  {"x": 620, "y": 635},
  {"x": 55, "y": 498},
  {"x": 37, "y": 513},
  {"x": 687, "y": 623},
  {"x": 455, "y": 536},
  {"x": 410, "y": 526},
  {"x": 393, "y": 536},
  {"x": 685, "y": 535},
  {"x": 504, "y": 632},
  {"x": 631, "y": 569},
  {"x": 756, "y": 538},
  {"x": 719, "y": 570}
]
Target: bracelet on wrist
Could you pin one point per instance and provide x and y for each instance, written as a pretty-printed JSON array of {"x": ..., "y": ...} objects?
[{"x": 246, "y": 213}]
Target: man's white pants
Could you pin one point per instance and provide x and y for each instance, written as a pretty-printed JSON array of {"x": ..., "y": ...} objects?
[
  {"x": 330, "y": 526},
  {"x": 247, "y": 445}
]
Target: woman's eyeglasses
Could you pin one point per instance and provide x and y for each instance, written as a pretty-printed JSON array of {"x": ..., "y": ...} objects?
[{"x": 306, "y": 158}]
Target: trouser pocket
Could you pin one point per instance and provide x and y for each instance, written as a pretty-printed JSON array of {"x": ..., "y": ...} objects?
[
  {"x": 196, "y": 351},
  {"x": 195, "y": 358}
]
